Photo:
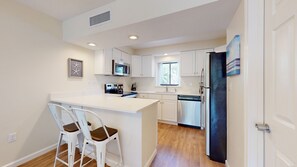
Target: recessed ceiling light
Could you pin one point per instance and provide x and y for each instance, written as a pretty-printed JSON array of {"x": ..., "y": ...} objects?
[
  {"x": 91, "y": 44},
  {"x": 165, "y": 54},
  {"x": 133, "y": 37}
]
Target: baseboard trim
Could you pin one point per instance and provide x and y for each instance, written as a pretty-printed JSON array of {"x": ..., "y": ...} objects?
[
  {"x": 167, "y": 122},
  {"x": 30, "y": 156},
  {"x": 151, "y": 159},
  {"x": 227, "y": 164}
]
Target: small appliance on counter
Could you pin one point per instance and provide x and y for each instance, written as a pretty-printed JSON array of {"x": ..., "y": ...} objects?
[
  {"x": 133, "y": 87},
  {"x": 111, "y": 88}
]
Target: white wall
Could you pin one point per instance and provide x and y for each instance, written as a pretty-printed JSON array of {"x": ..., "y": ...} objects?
[
  {"x": 33, "y": 64},
  {"x": 235, "y": 97}
]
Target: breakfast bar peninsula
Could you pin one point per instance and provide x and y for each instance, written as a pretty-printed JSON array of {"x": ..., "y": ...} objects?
[{"x": 135, "y": 119}]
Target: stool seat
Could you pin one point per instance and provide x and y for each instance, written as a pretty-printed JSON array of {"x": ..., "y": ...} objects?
[
  {"x": 70, "y": 127},
  {"x": 100, "y": 135}
]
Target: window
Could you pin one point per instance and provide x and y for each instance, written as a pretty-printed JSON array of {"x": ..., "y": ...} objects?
[{"x": 169, "y": 74}]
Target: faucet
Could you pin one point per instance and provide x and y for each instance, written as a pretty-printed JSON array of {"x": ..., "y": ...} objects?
[{"x": 166, "y": 89}]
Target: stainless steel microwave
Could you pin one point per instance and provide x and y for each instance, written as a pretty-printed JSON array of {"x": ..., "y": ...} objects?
[{"x": 120, "y": 69}]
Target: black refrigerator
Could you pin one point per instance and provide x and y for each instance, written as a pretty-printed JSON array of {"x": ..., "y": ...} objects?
[{"x": 214, "y": 95}]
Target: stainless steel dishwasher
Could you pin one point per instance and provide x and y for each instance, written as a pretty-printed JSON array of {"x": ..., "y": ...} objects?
[{"x": 189, "y": 112}]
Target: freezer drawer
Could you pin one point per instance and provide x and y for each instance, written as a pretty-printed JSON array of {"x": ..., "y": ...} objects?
[{"x": 189, "y": 113}]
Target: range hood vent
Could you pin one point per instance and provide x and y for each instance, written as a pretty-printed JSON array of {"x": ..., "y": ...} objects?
[{"x": 100, "y": 18}]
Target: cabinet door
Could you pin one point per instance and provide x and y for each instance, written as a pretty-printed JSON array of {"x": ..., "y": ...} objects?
[
  {"x": 136, "y": 69},
  {"x": 117, "y": 55},
  {"x": 107, "y": 61},
  {"x": 169, "y": 110},
  {"x": 147, "y": 66},
  {"x": 157, "y": 97},
  {"x": 187, "y": 63},
  {"x": 103, "y": 62},
  {"x": 200, "y": 59},
  {"x": 159, "y": 116},
  {"x": 126, "y": 58}
]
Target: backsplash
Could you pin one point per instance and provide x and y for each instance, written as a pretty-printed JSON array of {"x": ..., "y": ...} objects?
[
  {"x": 188, "y": 85},
  {"x": 101, "y": 80}
]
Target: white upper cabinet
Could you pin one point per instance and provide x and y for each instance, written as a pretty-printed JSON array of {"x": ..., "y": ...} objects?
[
  {"x": 148, "y": 69},
  {"x": 192, "y": 62},
  {"x": 200, "y": 61},
  {"x": 136, "y": 66},
  {"x": 187, "y": 63},
  {"x": 142, "y": 66},
  {"x": 120, "y": 57},
  {"x": 103, "y": 62},
  {"x": 126, "y": 58},
  {"x": 117, "y": 55}
]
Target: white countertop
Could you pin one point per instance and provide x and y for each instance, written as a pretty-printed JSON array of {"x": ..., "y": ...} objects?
[
  {"x": 167, "y": 93},
  {"x": 112, "y": 103}
]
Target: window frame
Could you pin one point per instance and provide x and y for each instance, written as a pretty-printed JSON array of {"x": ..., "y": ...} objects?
[{"x": 170, "y": 74}]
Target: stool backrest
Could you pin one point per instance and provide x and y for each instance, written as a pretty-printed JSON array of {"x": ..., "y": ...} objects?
[
  {"x": 58, "y": 112},
  {"x": 82, "y": 121}
]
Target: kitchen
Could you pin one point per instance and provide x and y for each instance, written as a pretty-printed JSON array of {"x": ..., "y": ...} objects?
[{"x": 43, "y": 76}]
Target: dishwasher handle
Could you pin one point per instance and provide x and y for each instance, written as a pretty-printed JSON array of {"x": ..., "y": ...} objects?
[{"x": 188, "y": 98}]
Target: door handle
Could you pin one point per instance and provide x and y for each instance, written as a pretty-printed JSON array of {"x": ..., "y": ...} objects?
[{"x": 263, "y": 127}]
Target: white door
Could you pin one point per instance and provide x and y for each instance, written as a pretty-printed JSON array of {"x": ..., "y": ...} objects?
[{"x": 281, "y": 83}]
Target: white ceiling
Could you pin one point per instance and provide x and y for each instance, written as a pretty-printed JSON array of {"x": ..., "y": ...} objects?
[
  {"x": 64, "y": 9},
  {"x": 196, "y": 24}
]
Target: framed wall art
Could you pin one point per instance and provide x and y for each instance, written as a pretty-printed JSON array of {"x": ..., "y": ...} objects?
[
  {"x": 75, "y": 68},
  {"x": 233, "y": 56}
]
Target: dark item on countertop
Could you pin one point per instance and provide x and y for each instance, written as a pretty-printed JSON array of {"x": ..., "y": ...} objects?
[{"x": 133, "y": 87}]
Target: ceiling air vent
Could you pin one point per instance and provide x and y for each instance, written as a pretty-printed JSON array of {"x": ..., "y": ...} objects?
[{"x": 100, "y": 18}]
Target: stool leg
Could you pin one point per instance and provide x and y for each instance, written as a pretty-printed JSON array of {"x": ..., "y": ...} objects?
[
  {"x": 80, "y": 138},
  {"x": 82, "y": 153},
  {"x": 101, "y": 153},
  {"x": 119, "y": 148},
  {"x": 72, "y": 138},
  {"x": 58, "y": 148}
]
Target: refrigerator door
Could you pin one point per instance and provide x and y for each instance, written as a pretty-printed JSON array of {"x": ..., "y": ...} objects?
[{"x": 217, "y": 107}]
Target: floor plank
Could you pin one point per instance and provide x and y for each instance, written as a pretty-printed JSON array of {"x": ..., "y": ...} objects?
[{"x": 177, "y": 147}]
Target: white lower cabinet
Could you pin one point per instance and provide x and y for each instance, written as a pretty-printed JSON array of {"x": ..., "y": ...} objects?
[
  {"x": 167, "y": 106},
  {"x": 169, "y": 110}
]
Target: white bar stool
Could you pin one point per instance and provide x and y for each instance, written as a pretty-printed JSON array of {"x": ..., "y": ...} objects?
[
  {"x": 70, "y": 130},
  {"x": 98, "y": 137}
]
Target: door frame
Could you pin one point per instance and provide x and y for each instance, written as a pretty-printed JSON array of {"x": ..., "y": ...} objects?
[{"x": 254, "y": 82}]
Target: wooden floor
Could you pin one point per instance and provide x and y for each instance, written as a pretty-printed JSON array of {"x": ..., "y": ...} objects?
[{"x": 177, "y": 147}]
